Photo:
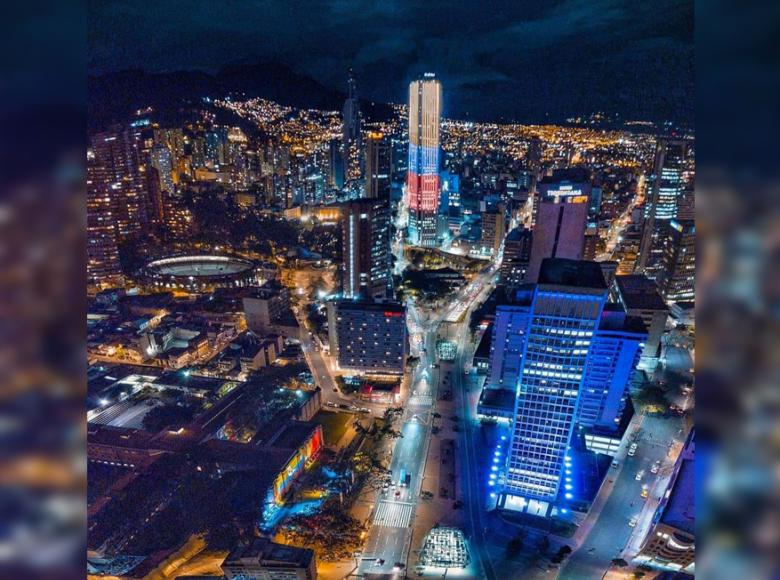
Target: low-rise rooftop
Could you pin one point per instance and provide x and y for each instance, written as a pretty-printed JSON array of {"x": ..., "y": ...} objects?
[{"x": 268, "y": 554}]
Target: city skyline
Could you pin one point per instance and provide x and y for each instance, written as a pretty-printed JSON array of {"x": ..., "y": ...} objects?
[
  {"x": 332, "y": 337},
  {"x": 639, "y": 58}
]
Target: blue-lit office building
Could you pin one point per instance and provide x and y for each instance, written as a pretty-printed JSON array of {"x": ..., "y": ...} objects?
[
  {"x": 614, "y": 355},
  {"x": 570, "y": 356}
]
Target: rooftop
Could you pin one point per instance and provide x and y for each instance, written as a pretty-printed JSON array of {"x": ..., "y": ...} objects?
[
  {"x": 156, "y": 300},
  {"x": 370, "y": 306},
  {"x": 283, "y": 432},
  {"x": 185, "y": 380},
  {"x": 269, "y": 289},
  {"x": 518, "y": 234},
  {"x": 483, "y": 350},
  {"x": 639, "y": 292},
  {"x": 498, "y": 399},
  {"x": 270, "y": 554},
  {"x": 680, "y": 509},
  {"x": 615, "y": 318},
  {"x": 577, "y": 273}
]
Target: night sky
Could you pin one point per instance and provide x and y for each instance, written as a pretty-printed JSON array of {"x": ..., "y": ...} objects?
[{"x": 498, "y": 60}]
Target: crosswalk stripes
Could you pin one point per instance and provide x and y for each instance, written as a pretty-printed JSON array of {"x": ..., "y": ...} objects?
[
  {"x": 394, "y": 514},
  {"x": 421, "y": 400}
]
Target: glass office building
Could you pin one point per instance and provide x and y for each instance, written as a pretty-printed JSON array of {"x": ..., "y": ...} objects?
[{"x": 565, "y": 314}]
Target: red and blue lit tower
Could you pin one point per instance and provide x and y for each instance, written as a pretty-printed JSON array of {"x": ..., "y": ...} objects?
[{"x": 423, "y": 187}]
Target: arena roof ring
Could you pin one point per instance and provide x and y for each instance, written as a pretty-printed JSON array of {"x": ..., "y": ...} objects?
[{"x": 199, "y": 273}]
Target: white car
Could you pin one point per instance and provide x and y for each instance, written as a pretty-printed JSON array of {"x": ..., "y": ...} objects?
[
  {"x": 633, "y": 521},
  {"x": 639, "y": 474},
  {"x": 654, "y": 468}
]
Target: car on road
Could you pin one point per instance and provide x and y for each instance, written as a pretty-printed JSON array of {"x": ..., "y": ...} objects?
[
  {"x": 656, "y": 466},
  {"x": 379, "y": 562},
  {"x": 632, "y": 449},
  {"x": 644, "y": 493},
  {"x": 640, "y": 474},
  {"x": 615, "y": 464},
  {"x": 633, "y": 521},
  {"x": 398, "y": 566}
]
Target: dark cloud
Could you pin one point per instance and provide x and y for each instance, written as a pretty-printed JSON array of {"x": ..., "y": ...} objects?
[{"x": 498, "y": 59}]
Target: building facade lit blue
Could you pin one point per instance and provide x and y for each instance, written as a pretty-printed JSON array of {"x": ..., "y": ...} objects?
[{"x": 570, "y": 356}]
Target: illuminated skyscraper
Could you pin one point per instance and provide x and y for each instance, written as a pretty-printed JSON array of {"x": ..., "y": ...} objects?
[
  {"x": 422, "y": 184},
  {"x": 350, "y": 139},
  {"x": 560, "y": 228},
  {"x": 569, "y": 356},
  {"x": 677, "y": 270},
  {"x": 335, "y": 165},
  {"x": 377, "y": 167},
  {"x": 367, "y": 270},
  {"x": 564, "y": 317},
  {"x": 666, "y": 188}
]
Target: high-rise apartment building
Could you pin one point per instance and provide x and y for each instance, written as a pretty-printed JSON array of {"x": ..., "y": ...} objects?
[
  {"x": 592, "y": 243},
  {"x": 335, "y": 164},
  {"x": 666, "y": 188},
  {"x": 367, "y": 266},
  {"x": 123, "y": 175},
  {"x": 677, "y": 269},
  {"x": 560, "y": 228},
  {"x": 377, "y": 167},
  {"x": 564, "y": 316},
  {"x": 493, "y": 229},
  {"x": 173, "y": 140},
  {"x": 102, "y": 255},
  {"x": 162, "y": 161},
  {"x": 517, "y": 256},
  {"x": 368, "y": 337},
  {"x": 533, "y": 157},
  {"x": 423, "y": 188}
]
